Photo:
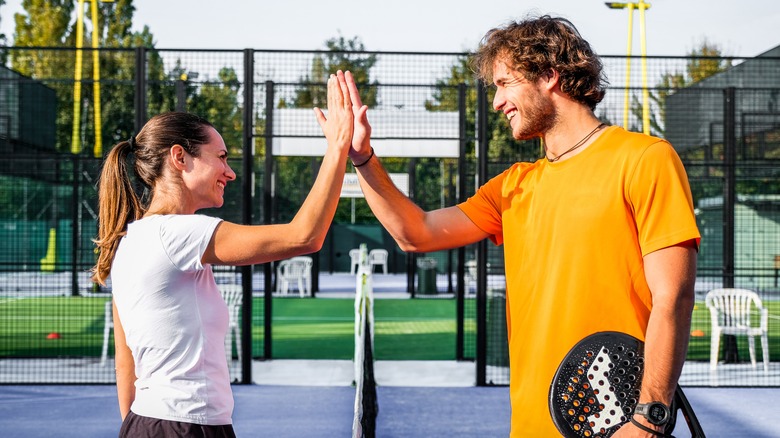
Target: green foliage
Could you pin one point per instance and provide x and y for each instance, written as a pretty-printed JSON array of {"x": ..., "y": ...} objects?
[
  {"x": 342, "y": 55},
  {"x": 295, "y": 176},
  {"x": 703, "y": 62},
  {"x": 3, "y": 41},
  {"x": 47, "y": 24},
  {"x": 706, "y": 61},
  {"x": 217, "y": 102},
  {"x": 502, "y": 147}
]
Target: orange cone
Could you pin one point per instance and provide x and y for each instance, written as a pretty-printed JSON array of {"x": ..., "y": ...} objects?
[
  {"x": 697, "y": 333},
  {"x": 53, "y": 335}
]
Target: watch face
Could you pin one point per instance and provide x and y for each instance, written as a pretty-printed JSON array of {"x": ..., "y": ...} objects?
[{"x": 657, "y": 413}]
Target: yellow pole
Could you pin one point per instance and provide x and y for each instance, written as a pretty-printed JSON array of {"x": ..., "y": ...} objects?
[
  {"x": 75, "y": 141},
  {"x": 98, "y": 148},
  {"x": 49, "y": 261},
  {"x": 645, "y": 93},
  {"x": 627, "y": 100}
]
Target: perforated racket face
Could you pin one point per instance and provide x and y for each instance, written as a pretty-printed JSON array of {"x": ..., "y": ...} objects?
[{"x": 596, "y": 387}]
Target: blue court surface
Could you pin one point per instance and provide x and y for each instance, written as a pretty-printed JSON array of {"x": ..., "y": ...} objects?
[{"x": 326, "y": 411}]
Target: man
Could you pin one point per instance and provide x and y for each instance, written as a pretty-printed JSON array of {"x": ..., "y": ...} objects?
[{"x": 599, "y": 235}]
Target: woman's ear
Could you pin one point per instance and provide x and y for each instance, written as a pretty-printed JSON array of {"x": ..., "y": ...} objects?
[{"x": 177, "y": 156}]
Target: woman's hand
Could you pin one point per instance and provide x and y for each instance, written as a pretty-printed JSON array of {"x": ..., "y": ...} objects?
[{"x": 338, "y": 125}]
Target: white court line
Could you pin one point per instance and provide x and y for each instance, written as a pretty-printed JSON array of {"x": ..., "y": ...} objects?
[
  {"x": 54, "y": 317},
  {"x": 341, "y": 318}
]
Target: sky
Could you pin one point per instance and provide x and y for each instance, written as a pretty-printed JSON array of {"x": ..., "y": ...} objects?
[{"x": 674, "y": 27}]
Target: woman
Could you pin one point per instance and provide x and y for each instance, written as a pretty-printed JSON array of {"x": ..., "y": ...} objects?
[{"x": 169, "y": 318}]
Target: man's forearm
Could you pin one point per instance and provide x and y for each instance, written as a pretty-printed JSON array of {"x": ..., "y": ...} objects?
[
  {"x": 671, "y": 275},
  {"x": 666, "y": 345},
  {"x": 398, "y": 214}
]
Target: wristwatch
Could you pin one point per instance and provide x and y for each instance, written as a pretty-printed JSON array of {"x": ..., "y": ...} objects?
[{"x": 655, "y": 412}]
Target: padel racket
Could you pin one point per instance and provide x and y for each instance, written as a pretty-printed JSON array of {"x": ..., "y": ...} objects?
[{"x": 597, "y": 385}]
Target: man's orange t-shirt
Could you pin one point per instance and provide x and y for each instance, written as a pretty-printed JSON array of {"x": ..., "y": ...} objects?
[{"x": 574, "y": 234}]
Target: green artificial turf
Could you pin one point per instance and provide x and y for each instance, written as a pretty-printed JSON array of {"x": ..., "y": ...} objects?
[
  {"x": 421, "y": 329},
  {"x": 403, "y": 329},
  {"x": 321, "y": 328}
]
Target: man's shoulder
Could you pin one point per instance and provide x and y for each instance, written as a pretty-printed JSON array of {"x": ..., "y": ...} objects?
[
  {"x": 521, "y": 168},
  {"x": 636, "y": 139}
]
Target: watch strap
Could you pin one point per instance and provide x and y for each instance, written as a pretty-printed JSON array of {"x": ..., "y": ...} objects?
[{"x": 649, "y": 430}]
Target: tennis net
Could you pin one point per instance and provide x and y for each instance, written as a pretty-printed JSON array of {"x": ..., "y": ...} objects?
[{"x": 366, "y": 405}]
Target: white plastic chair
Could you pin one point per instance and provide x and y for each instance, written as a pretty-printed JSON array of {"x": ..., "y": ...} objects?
[
  {"x": 731, "y": 311},
  {"x": 294, "y": 271},
  {"x": 354, "y": 260},
  {"x": 233, "y": 294},
  {"x": 107, "y": 327},
  {"x": 307, "y": 262},
  {"x": 377, "y": 257},
  {"x": 470, "y": 277}
]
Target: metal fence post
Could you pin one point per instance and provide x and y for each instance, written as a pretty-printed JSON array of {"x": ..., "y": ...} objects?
[
  {"x": 74, "y": 226},
  {"x": 268, "y": 210},
  {"x": 140, "y": 88},
  {"x": 482, "y": 145},
  {"x": 180, "y": 87},
  {"x": 247, "y": 184},
  {"x": 411, "y": 258},
  {"x": 461, "y": 252},
  {"x": 730, "y": 352}
]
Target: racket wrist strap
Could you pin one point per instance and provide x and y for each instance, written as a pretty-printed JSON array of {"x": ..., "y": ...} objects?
[{"x": 649, "y": 430}]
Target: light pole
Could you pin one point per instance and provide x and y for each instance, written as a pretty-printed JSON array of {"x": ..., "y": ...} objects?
[
  {"x": 75, "y": 144},
  {"x": 642, "y": 6}
]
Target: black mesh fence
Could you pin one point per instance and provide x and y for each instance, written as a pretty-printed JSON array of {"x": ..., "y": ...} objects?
[{"x": 721, "y": 114}]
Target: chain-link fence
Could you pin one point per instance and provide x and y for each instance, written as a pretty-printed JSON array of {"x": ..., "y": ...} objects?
[{"x": 721, "y": 114}]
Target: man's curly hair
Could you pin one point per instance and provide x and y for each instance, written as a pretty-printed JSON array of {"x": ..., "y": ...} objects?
[{"x": 535, "y": 46}]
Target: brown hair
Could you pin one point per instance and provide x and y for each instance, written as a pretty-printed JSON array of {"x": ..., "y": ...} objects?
[
  {"x": 119, "y": 203},
  {"x": 534, "y": 46}
]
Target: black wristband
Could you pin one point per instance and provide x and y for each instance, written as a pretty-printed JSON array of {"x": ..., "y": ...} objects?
[
  {"x": 367, "y": 159},
  {"x": 649, "y": 430}
]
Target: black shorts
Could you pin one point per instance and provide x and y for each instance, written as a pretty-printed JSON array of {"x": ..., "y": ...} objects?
[{"x": 136, "y": 426}]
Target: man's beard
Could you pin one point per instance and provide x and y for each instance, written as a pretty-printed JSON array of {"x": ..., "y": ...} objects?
[{"x": 538, "y": 117}]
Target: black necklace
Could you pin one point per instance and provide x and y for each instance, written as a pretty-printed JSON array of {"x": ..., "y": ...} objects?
[{"x": 579, "y": 143}]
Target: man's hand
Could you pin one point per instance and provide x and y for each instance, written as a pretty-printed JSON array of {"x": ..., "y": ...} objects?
[{"x": 361, "y": 138}]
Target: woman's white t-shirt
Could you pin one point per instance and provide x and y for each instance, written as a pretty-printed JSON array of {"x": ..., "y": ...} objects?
[{"x": 174, "y": 319}]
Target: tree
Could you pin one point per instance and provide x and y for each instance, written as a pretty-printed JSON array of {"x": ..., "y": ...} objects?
[
  {"x": 342, "y": 55},
  {"x": 502, "y": 146},
  {"x": 294, "y": 174},
  {"x": 218, "y": 103},
  {"x": 703, "y": 62},
  {"x": 118, "y": 71},
  {"x": 45, "y": 25},
  {"x": 3, "y": 41}
]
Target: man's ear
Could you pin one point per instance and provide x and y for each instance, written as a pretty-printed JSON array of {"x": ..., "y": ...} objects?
[
  {"x": 177, "y": 155},
  {"x": 551, "y": 78}
]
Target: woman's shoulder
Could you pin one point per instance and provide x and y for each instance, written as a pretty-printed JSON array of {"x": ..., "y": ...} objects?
[
  {"x": 177, "y": 218},
  {"x": 175, "y": 224}
]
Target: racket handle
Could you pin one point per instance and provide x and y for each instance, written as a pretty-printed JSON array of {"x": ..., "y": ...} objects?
[{"x": 690, "y": 417}]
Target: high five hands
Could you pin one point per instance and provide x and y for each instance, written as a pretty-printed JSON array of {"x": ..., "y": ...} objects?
[
  {"x": 344, "y": 101},
  {"x": 338, "y": 125}
]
